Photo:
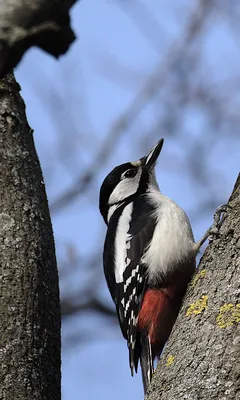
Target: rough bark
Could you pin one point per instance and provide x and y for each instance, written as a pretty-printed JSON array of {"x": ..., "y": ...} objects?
[
  {"x": 26, "y": 23},
  {"x": 201, "y": 359},
  {"x": 29, "y": 296}
]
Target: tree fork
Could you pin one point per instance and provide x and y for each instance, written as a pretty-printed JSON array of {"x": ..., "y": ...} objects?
[
  {"x": 29, "y": 295},
  {"x": 201, "y": 358}
]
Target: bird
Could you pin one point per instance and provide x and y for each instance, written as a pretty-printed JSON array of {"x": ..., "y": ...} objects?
[{"x": 149, "y": 257}]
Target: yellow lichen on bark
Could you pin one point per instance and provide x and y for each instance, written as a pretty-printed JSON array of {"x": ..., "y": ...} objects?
[
  {"x": 198, "y": 276},
  {"x": 228, "y": 315},
  {"x": 198, "y": 307},
  {"x": 170, "y": 360}
]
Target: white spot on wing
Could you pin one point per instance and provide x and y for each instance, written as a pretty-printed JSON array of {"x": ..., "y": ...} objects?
[{"x": 128, "y": 281}]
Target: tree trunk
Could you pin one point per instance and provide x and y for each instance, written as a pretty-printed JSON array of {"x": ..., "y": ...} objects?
[
  {"x": 26, "y": 23},
  {"x": 201, "y": 359},
  {"x": 29, "y": 296}
]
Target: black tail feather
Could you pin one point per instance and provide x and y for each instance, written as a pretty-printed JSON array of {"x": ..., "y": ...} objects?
[{"x": 146, "y": 362}]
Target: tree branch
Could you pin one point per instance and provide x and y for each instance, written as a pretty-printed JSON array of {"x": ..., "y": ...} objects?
[
  {"x": 200, "y": 360},
  {"x": 69, "y": 307},
  {"x": 25, "y": 23}
]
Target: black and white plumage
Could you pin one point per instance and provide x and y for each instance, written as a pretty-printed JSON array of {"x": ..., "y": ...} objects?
[{"x": 149, "y": 257}]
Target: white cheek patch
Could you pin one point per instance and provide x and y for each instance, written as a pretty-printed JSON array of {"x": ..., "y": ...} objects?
[{"x": 125, "y": 188}]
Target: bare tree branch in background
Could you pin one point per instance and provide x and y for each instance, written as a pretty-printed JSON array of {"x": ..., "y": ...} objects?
[
  {"x": 69, "y": 307},
  {"x": 42, "y": 23},
  {"x": 145, "y": 21},
  {"x": 86, "y": 297}
]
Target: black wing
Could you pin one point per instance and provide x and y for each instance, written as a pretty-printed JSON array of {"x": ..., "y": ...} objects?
[{"x": 128, "y": 294}]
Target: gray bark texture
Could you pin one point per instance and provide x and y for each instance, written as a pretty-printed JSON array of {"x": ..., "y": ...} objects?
[
  {"x": 26, "y": 23},
  {"x": 29, "y": 295},
  {"x": 201, "y": 358}
]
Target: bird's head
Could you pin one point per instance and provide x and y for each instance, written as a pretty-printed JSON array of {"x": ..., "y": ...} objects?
[{"x": 127, "y": 181}]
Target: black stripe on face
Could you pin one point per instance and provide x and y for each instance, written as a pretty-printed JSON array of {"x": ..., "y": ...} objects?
[
  {"x": 109, "y": 184},
  {"x": 111, "y": 181},
  {"x": 142, "y": 187},
  {"x": 143, "y": 183}
]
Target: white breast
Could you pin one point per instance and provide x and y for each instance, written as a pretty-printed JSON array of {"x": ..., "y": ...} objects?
[
  {"x": 172, "y": 240},
  {"x": 120, "y": 242}
]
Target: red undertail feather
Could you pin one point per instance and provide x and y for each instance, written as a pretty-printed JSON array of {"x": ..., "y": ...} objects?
[
  {"x": 155, "y": 321},
  {"x": 157, "y": 316}
]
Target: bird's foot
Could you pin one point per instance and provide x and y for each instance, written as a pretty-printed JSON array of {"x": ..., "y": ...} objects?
[
  {"x": 214, "y": 231},
  {"x": 218, "y": 219}
]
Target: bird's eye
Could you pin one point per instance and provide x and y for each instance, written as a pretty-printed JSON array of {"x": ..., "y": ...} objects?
[{"x": 130, "y": 173}]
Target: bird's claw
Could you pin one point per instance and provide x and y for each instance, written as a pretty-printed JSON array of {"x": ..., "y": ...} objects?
[{"x": 218, "y": 219}]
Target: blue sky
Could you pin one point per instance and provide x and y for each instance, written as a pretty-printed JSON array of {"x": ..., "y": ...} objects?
[{"x": 72, "y": 104}]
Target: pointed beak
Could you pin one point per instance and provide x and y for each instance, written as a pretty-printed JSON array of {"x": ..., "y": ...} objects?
[{"x": 150, "y": 159}]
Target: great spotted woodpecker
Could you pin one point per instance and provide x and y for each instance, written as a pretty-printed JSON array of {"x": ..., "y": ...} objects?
[{"x": 149, "y": 257}]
